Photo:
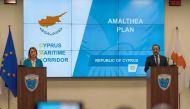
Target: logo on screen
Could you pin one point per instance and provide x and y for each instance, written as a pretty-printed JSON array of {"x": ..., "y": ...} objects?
[
  {"x": 164, "y": 81},
  {"x": 31, "y": 82},
  {"x": 50, "y": 21},
  {"x": 132, "y": 67}
]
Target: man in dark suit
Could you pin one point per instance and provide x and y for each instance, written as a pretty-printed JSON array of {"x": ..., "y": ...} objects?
[{"x": 156, "y": 59}]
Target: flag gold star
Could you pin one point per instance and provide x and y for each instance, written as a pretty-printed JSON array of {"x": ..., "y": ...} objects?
[
  {"x": 6, "y": 54},
  {"x": 4, "y": 70}
]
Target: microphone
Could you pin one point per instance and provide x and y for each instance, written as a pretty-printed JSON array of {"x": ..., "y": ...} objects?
[
  {"x": 171, "y": 62},
  {"x": 21, "y": 63}
]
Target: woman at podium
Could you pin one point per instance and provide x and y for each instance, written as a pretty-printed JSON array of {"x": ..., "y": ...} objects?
[{"x": 32, "y": 60}]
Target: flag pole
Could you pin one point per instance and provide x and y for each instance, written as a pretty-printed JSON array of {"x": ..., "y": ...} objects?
[
  {"x": 9, "y": 27},
  {"x": 8, "y": 89},
  {"x": 8, "y": 99},
  {"x": 177, "y": 29}
]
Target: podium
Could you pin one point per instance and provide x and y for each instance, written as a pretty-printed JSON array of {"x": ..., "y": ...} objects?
[
  {"x": 32, "y": 87},
  {"x": 162, "y": 86}
]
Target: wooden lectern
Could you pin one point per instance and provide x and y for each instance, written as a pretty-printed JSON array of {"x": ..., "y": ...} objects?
[
  {"x": 32, "y": 87},
  {"x": 162, "y": 86}
]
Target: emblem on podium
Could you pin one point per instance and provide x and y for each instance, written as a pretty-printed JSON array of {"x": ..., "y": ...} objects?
[
  {"x": 164, "y": 81},
  {"x": 31, "y": 82}
]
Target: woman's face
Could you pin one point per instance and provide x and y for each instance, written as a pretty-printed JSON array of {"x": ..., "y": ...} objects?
[{"x": 33, "y": 53}]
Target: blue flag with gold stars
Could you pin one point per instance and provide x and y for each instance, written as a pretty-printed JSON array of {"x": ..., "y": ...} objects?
[{"x": 9, "y": 65}]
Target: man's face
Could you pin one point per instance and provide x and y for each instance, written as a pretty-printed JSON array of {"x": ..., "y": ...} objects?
[{"x": 155, "y": 50}]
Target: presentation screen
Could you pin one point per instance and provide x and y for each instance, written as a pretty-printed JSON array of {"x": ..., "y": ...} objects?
[{"x": 93, "y": 38}]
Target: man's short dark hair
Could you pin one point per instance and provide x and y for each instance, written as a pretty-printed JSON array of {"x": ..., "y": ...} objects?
[{"x": 155, "y": 45}]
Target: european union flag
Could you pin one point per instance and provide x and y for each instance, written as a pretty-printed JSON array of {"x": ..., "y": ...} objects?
[{"x": 9, "y": 65}]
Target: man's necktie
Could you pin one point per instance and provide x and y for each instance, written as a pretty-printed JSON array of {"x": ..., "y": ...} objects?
[{"x": 157, "y": 61}]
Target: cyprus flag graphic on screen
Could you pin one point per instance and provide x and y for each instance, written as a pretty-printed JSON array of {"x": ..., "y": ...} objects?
[{"x": 93, "y": 38}]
